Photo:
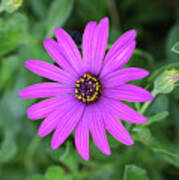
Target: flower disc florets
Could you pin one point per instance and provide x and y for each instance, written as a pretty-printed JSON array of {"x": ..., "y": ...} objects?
[{"x": 88, "y": 88}]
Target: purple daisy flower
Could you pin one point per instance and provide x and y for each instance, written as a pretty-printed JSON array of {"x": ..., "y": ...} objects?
[{"x": 88, "y": 90}]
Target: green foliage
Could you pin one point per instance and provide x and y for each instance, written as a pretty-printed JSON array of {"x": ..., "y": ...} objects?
[
  {"x": 7, "y": 69},
  {"x": 168, "y": 156},
  {"x": 155, "y": 118},
  {"x": 175, "y": 48},
  {"x": 23, "y": 27},
  {"x": 133, "y": 172},
  {"x": 12, "y": 31},
  {"x": 37, "y": 177},
  {"x": 10, "y": 5},
  {"x": 171, "y": 40},
  {"x": 54, "y": 173},
  {"x": 58, "y": 13},
  {"x": 94, "y": 10}
]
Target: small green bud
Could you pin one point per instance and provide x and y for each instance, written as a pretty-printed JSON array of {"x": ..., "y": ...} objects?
[
  {"x": 166, "y": 82},
  {"x": 10, "y": 5}
]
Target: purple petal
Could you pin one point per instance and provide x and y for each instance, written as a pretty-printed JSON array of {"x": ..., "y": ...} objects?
[
  {"x": 99, "y": 45},
  {"x": 94, "y": 45},
  {"x": 87, "y": 44},
  {"x": 120, "y": 52},
  {"x": 45, "y": 107},
  {"x": 122, "y": 111},
  {"x": 128, "y": 92},
  {"x": 56, "y": 53},
  {"x": 66, "y": 124},
  {"x": 118, "y": 59},
  {"x": 122, "y": 76},
  {"x": 116, "y": 128},
  {"x": 97, "y": 130},
  {"x": 42, "y": 90},
  {"x": 69, "y": 49},
  {"x": 82, "y": 136},
  {"x": 126, "y": 38},
  {"x": 49, "y": 71},
  {"x": 54, "y": 119}
]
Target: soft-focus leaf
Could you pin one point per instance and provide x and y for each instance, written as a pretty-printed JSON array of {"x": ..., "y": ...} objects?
[
  {"x": 8, "y": 147},
  {"x": 150, "y": 12},
  {"x": 7, "y": 69},
  {"x": 106, "y": 172},
  {"x": 169, "y": 157},
  {"x": 56, "y": 154},
  {"x": 54, "y": 173},
  {"x": 156, "y": 118},
  {"x": 12, "y": 32},
  {"x": 161, "y": 103},
  {"x": 39, "y": 8},
  {"x": 94, "y": 10},
  {"x": 12, "y": 171},
  {"x": 10, "y": 5},
  {"x": 58, "y": 13},
  {"x": 162, "y": 69},
  {"x": 171, "y": 40},
  {"x": 133, "y": 172},
  {"x": 175, "y": 48},
  {"x": 142, "y": 134},
  {"x": 69, "y": 158},
  {"x": 37, "y": 177}
]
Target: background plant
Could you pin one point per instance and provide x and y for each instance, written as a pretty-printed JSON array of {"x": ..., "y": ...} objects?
[{"x": 23, "y": 27}]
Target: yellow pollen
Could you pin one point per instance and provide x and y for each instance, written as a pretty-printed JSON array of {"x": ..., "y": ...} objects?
[
  {"x": 79, "y": 97},
  {"x": 88, "y": 88},
  {"x": 82, "y": 80}
]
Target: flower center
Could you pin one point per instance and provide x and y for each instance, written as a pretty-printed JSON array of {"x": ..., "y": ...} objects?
[{"x": 88, "y": 88}]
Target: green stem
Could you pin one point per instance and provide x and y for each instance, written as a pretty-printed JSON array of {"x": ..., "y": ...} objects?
[
  {"x": 146, "y": 105},
  {"x": 30, "y": 152},
  {"x": 145, "y": 54}
]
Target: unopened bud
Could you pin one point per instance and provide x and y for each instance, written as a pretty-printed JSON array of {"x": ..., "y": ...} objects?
[
  {"x": 166, "y": 82},
  {"x": 10, "y": 5}
]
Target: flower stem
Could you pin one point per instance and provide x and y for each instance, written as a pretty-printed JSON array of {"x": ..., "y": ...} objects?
[
  {"x": 30, "y": 152},
  {"x": 146, "y": 105}
]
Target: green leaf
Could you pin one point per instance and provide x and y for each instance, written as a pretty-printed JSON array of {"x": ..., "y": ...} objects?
[
  {"x": 12, "y": 32},
  {"x": 39, "y": 8},
  {"x": 175, "y": 48},
  {"x": 37, "y": 177},
  {"x": 105, "y": 172},
  {"x": 168, "y": 156},
  {"x": 8, "y": 148},
  {"x": 56, "y": 154},
  {"x": 156, "y": 73},
  {"x": 54, "y": 173},
  {"x": 161, "y": 103},
  {"x": 170, "y": 41},
  {"x": 156, "y": 118},
  {"x": 8, "y": 66},
  {"x": 94, "y": 10},
  {"x": 141, "y": 134},
  {"x": 59, "y": 11},
  {"x": 133, "y": 172},
  {"x": 10, "y": 5},
  {"x": 69, "y": 158}
]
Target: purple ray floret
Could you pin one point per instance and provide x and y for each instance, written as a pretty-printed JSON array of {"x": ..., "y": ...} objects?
[{"x": 87, "y": 90}]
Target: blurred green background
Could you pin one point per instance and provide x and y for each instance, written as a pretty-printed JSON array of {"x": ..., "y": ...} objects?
[{"x": 24, "y": 24}]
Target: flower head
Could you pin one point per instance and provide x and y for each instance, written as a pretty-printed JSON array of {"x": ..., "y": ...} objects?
[
  {"x": 87, "y": 93},
  {"x": 166, "y": 81}
]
